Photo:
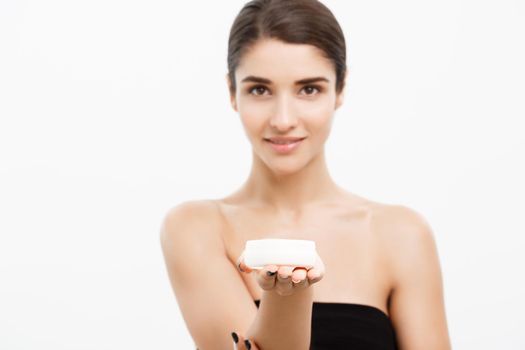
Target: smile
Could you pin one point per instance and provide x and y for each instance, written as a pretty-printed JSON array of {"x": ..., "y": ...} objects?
[{"x": 284, "y": 146}]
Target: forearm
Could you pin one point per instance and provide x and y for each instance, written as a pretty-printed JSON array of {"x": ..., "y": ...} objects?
[{"x": 283, "y": 322}]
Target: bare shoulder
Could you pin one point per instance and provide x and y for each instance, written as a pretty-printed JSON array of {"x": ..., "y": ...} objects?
[
  {"x": 417, "y": 299},
  {"x": 406, "y": 237},
  {"x": 395, "y": 221},
  {"x": 201, "y": 275},
  {"x": 197, "y": 215},
  {"x": 191, "y": 208},
  {"x": 189, "y": 230}
]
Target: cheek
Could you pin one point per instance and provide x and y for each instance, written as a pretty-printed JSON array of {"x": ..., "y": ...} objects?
[
  {"x": 318, "y": 119},
  {"x": 252, "y": 117},
  {"x": 254, "y": 110}
]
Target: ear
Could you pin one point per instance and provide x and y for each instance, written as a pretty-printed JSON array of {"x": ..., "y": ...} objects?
[
  {"x": 233, "y": 102},
  {"x": 341, "y": 96},
  {"x": 340, "y": 99}
]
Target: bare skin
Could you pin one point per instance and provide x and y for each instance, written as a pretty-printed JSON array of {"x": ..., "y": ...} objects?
[
  {"x": 356, "y": 274},
  {"x": 351, "y": 273},
  {"x": 374, "y": 254}
]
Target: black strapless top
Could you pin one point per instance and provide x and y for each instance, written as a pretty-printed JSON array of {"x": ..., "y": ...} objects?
[{"x": 350, "y": 326}]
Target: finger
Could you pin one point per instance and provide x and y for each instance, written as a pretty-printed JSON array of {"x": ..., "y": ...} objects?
[
  {"x": 237, "y": 343},
  {"x": 298, "y": 274},
  {"x": 299, "y": 278},
  {"x": 266, "y": 276},
  {"x": 241, "y": 343},
  {"x": 284, "y": 280},
  {"x": 253, "y": 346},
  {"x": 314, "y": 275},
  {"x": 284, "y": 273},
  {"x": 241, "y": 266}
]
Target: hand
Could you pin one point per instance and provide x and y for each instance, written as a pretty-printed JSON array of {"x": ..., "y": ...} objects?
[
  {"x": 285, "y": 280},
  {"x": 241, "y": 345}
]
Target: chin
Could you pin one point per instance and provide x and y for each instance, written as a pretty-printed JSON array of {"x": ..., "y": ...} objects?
[
  {"x": 286, "y": 167},
  {"x": 283, "y": 165}
]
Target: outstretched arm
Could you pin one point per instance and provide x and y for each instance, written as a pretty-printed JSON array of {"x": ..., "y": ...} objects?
[{"x": 212, "y": 297}]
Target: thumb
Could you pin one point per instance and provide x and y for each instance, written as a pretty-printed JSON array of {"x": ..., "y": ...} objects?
[{"x": 241, "y": 266}]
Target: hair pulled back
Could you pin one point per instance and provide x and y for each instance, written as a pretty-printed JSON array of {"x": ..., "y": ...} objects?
[{"x": 291, "y": 21}]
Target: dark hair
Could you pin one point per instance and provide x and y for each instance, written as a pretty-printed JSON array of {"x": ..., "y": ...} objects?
[{"x": 291, "y": 21}]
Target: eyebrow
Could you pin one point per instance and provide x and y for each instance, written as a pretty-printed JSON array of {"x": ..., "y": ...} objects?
[{"x": 255, "y": 79}]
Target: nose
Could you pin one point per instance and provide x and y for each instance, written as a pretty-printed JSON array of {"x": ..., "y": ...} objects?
[{"x": 283, "y": 119}]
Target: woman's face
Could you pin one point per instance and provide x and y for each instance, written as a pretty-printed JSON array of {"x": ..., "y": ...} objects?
[{"x": 274, "y": 101}]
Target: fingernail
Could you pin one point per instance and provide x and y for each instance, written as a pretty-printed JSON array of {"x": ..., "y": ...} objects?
[
  {"x": 248, "y": 344},
  {"x": 235, "y": 337},
  {"x": 294, "y": 281}
]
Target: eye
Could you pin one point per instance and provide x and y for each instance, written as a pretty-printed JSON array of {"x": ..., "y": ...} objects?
[
  {"x": 308, "y": 88},
  {"x": 258, "y": 88}
]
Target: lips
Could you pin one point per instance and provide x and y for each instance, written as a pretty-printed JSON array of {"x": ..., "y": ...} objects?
[
  {"x": 284, "y": 145},
  {"x": 284, "y": 140}
]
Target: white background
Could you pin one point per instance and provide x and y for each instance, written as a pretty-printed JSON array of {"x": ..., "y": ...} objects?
[{"x": 112, "y": 112}]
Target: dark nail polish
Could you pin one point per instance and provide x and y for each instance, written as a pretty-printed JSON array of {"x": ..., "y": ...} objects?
[
  {"x": 235, "y": 337},
  {"x": 270, "y": 273},
  {"x": 248, "y": 344}
]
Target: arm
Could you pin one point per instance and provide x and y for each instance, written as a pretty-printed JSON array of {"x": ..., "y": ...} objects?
[
  {"x": 283, "y": 322},
  {"x": 212, "y": 297},
  {"x": 417, "y": 305}
]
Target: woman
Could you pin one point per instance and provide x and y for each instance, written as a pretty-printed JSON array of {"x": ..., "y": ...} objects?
[{"x": 377, "y": 283}]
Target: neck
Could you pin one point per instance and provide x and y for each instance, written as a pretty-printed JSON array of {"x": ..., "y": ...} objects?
[{"x": 291, "y": 192}]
